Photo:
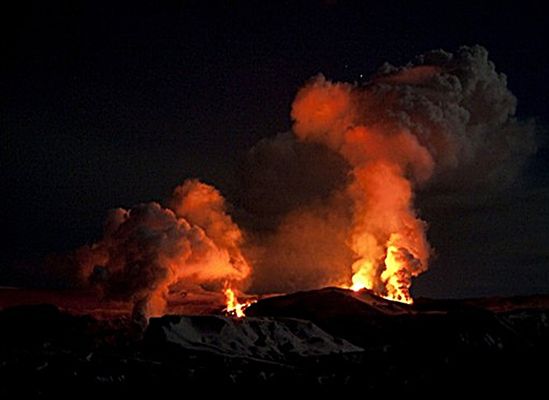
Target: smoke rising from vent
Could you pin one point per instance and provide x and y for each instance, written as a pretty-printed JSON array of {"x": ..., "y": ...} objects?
[
  {"x": 443, "y": 122},
  {"x": 147, "y": 249}
]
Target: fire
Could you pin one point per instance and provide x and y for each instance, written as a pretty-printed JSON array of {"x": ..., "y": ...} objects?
[
  {"x": 395, "y": 268},
  {"x": 360, "y": 279},
  {"x": 387, "y": 163},
  {"x": 234, "y": 307},
  {"x": 394, "y": 277}
]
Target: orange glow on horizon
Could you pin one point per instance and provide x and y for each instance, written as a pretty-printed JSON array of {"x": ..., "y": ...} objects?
[{"x": 233, "y": 307}]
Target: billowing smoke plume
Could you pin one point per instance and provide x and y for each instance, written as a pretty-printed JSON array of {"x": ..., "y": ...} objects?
[
  {"x": 386, "y": 235},
  {"x": 332, "y": 202},
  {"x": 299, "y": 220},
  {"x": 445, "y": 121},
  {"x": 148, "y": 249}
]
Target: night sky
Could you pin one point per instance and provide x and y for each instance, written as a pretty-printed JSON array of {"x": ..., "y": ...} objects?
[{"x": 106, "y": 105}]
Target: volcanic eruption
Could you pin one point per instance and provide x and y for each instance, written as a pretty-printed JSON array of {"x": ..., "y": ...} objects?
[
  {"x": 386, "y": 236},
  {"x": 444, "y": 121},
  {"x": 148, "y": 250}
]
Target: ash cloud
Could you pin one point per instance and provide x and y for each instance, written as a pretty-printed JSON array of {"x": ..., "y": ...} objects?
[
  {"x": 148, "y": 249},
  {"x": 445, "y": 122},
  {"x": 307, "y": 250},
  {"x": 281, "y": 174},
  {"x": 295, "y": 217},
  {"x": 333, "y": 201},
  {"x": 460, "y": 108}
]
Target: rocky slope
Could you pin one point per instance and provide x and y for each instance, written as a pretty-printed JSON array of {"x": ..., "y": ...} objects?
[{"x": 323, "y": 336}]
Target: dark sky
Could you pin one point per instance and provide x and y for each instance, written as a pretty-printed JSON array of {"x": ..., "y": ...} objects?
[{"x": 105, "y": 105}]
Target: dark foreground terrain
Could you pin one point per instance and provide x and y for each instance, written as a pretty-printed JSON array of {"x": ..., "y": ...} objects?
[{"x": 324, "y": 336}]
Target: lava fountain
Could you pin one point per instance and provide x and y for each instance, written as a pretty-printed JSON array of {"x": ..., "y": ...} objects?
[{"x": 234, "y": 307}]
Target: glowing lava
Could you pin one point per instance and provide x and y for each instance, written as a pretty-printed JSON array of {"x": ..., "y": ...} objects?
[
  {"x": 395, "y": 276},
  {"x": 387, "y": 161},
  {"x": 234, "y": 307}
]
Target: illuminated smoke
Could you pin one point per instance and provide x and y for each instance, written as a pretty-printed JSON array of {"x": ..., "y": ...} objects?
[
  {"x": 298, "y": 219},
  {"x": 148, "y": 249},
  {"x": 332, "y": 202},
  {"x": 446, "y": 119}
]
